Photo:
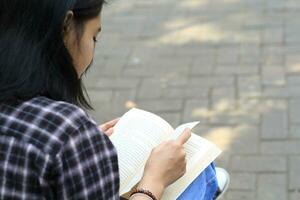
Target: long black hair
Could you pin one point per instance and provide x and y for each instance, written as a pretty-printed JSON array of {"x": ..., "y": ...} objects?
[{"x": 33, "y": 58}]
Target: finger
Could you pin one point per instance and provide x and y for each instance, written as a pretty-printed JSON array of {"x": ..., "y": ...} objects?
[
  {"x": 103, "y": 127},
  {"x": 109, "y": 124},
  {"x": 110, "y": 131},
  {"x": 113, "y": 122},
  {"x": 183, "y": 138}
]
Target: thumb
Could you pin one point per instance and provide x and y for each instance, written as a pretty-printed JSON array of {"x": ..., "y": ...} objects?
[{"x": 183, "y": 138}]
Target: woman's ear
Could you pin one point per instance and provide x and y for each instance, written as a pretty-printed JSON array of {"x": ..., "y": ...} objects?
[{"x": 68, "y": 22}]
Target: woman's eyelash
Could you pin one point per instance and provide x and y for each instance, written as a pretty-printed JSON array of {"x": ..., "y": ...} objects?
[{"x": 95, "y": 39}]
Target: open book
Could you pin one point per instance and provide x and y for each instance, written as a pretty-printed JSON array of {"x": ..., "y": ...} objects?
[{"x": 138, "y": 132}]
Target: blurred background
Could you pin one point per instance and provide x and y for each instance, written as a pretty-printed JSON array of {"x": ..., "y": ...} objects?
[{"x": 232, "y": 64}]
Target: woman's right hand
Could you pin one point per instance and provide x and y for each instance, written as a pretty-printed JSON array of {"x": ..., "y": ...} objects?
[{"x": 165, "y": 164}]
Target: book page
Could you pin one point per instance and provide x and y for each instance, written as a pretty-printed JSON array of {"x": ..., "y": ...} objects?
[
  {"x": 135, "y": 135},
  {"x": 199, "y": 154},
  {"x": 179, "y": 130}
]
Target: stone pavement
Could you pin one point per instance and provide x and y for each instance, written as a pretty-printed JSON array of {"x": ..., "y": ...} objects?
[{"x": 233, "y": 64}]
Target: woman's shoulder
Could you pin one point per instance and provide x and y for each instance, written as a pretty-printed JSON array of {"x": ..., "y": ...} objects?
[
  {"x": 68, "y": 114},
  {"x": 50, "y": 109},
  {"x": 41, "y": 118}
]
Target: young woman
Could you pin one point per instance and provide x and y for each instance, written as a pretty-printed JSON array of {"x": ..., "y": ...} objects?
[{"x": 49, "y": 147}]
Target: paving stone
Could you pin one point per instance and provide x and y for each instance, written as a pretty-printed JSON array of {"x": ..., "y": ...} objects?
[
  {"x": 211, "y": 81},
  {"x": 101, "y": 102},
  {"x": 274, "y": 19},
  {"x": 275, "y": 4},
  {"x": 234, "y": 65},
  {"x": 273, "y": 35},
  {"x": 249, "y": 86},
  {"x": 112, "y": 68},
  {"x": 93, "y": 74},
  {"x": 205, "y": 69},
  {"x": 273, "y": 75},
  {"x": 292, "y": 62},
  {"x": 273, "y": 55},
  {"x": 223, "y": 161},
  {"x": 259, "y": 163},
  {"x": 203, "y": 65},
  {"x": 151, "y": 88},
  {"x": 237, "y": 69},
  {"x": 99, "y": 96},
  {"x": 234, "y": 117},
  {"x": 237, "y": 195},
  {"x": 292, "y": 4},
  {"x": 242, "y": 181},
  {"x": 247, "y": 112},
  {"x": 201, "y": 52},
  {"x": 227, "y": 55},
  {"x": 294, "y": 195},
  {"x": 285, "y": 147},
  {"x": 275, "y": 124},
  {"x": 176, "y": 93},
  {"x": 294, "y": 131},
  {"x": 250, "y": 54},
  {"x": 135, "y": 71},
  {"x": 102, "y": 112},
  {"x": 223, "y": 98},
  {"x": 241, "y": 138},
  {"x": 245, "y": 140},
  {"x": 294, "y": 182},
  {"x": 120, "y": 83},
  {"x": 281, "y": 91},
  {"x": 294, "y": 108},
  {"x": 185, "y": 93},
  {"x": 196, "y": 110},
  {"x": 116, "y": 52},
  {"x": 291, "y": 34},
  {"x": 271, "y": 187},
  {"x": 160, "y": 105},
  {"x": 172, "y": 118},
  {"x": 293, "y": 80},
  {"x": 122, "y": 101}
]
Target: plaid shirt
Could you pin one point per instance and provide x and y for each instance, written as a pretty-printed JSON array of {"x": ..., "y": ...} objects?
[{"x": 54, "y": 150}]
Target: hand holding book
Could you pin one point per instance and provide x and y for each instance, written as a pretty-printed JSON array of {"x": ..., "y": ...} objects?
[
  {"x": 139, "y": 134},
  {"x": 108, "y": 127},
  {"x": 165, "y": 165}
]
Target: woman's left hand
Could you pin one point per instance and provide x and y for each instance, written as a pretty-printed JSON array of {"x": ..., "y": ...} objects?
[{"x": 108, "y": 127}]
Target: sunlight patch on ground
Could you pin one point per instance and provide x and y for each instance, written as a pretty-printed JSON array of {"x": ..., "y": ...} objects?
[
  {"x": 130, "y": 104},
  {"x": 177, "y": 23},
  {"x": 198, "y": 33},
  {"x": 222, "y": 137},
  {"x": 225, "y": 137},
  {"x": 294, "y": 67},
  {"x": 193, "y": 3},
  {"x": 202, "y": 33}
]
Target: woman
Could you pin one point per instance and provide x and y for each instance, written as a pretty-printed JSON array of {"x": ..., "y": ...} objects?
[{"x": 49, "y": 147}]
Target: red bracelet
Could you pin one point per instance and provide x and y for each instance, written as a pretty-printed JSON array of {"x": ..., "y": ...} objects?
[{"x": 143, "y": 191}]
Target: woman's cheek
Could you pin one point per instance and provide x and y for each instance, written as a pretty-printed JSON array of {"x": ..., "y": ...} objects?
[{"x": 88, "y": 52}]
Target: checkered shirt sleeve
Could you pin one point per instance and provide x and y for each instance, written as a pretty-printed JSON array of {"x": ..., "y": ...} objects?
[
  {"x": 54, "y": 150},
  {"x": 87, "y": 166}
]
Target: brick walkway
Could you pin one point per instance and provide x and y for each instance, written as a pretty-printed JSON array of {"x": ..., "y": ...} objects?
[{"x": 233, "y": 64}]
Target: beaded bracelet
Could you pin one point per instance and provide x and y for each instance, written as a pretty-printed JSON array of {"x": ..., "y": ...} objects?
[
  {"x": 143, "y": 191},
  {"x": 139, "y": 194}
]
